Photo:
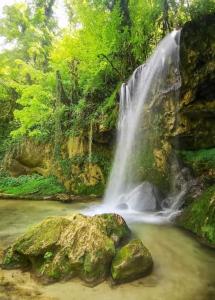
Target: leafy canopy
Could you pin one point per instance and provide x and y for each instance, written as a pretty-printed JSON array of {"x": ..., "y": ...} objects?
[{"x": 53, "y": 79}]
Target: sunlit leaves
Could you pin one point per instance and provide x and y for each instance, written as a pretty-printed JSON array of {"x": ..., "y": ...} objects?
[
  {"x": 36, "y": 109},
  {"x": 97, "y": 51}
]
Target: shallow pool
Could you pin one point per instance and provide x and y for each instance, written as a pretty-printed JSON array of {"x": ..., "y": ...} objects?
[{"x": 183, "y": 269}]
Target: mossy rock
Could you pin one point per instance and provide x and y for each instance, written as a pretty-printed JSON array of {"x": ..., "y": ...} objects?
[
  {"x": 64, "y": 247},
  {"x": 202, "y": 162},
  {"x": 131, "y": 262},
  {"x": 199, "y": 217}
]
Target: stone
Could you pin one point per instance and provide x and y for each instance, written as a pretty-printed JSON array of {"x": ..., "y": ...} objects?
[
  {"x": 64, "y": 247},
  {"x": 145, "y": 197},
  {"x": 131, "y": 262},
  {"x": 122, "y": 206}
]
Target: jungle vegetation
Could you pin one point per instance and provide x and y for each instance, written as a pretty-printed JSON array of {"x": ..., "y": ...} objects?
[{"x": 62, "y": 80}]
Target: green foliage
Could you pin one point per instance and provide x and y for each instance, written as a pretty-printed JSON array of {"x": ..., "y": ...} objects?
[
  {"x": 199, "y": 7},
  {"x": 83, "y": 189},
  {"x": 203, "y": 155},
  {"x": 30, "y": 185},
  {"x": 27, "y": 86},
  {"x": 148, "y": 170},
  {"x": 199, "y": 160},
  {"x": 48, "y": 256},
  {"x": 209, "y": 233},
  {"x": 199, "y": 217},
  {"x": 107, "y": 113},
  {"x": 99, "y": 158},
  {"x": 35, "y": 112},
  {"x": 60, "y": 82},
  {"x": 104, "y": 42}
]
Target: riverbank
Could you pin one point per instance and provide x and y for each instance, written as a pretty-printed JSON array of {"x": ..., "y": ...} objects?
[
  {"x": 64, "y": 197},
  {"x": 37, "y": 187}
]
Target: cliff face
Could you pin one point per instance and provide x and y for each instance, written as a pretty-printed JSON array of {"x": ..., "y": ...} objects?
[
  {"x": 197, "y": 100},
  {"x": 185, "y": 128},
  {"x": 195, "y": 135},
  {"x": 81, "y": 165},
  {"x": 179, "y": 130},
  {"x": 181, "y": 123}
]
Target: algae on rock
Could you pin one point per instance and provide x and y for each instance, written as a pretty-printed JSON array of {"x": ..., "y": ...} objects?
[
  {"x": 65, "y": 247},
  {"x": 199, "y": 216},
  {"x": 61, "y": 247},
  {"x": 132, "y": 261}
]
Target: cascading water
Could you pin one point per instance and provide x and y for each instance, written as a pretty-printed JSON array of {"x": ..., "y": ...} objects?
[{"x": 125, "y": 194}]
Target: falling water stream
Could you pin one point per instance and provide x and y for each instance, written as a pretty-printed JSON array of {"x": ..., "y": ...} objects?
[
  {"x": 183, "y": 269},
  {"x": 126, "y": 194}
]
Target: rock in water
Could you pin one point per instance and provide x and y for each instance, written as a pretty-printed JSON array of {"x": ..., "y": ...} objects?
[
  {"x": 61, "y": 247},
  {"x": 131, "y": 262},
  {"x": 64, "y": 247},
  {"x": 145, "y": 197}
]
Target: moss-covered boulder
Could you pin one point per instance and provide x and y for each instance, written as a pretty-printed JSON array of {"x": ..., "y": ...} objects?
[
  {"x": 131, "y": 262},
  {"x": 199, "y": 217},
  {"x": 64, "y": 247}
]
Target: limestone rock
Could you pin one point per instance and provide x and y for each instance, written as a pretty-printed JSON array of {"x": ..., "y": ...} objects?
[
  {"x": 131, "y": 262},
  {"x": 64, "y": 247},
  {"x": 145, "y": 198}
]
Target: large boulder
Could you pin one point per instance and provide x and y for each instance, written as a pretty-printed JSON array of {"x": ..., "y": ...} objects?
[
  {"x": 80, "y": 246},
  {"x": 61, "y": 247},
  {"x": 131, "y": 262},
  {"x": 145, "y": 197}
]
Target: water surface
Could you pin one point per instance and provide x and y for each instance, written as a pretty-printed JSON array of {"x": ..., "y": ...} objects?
[{"x": 183, "y": 269}]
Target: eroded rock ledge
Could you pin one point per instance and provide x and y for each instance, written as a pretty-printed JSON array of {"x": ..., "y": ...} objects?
[{"x": 91, "y": 248}]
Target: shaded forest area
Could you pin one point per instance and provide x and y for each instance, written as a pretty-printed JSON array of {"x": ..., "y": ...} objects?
[{"x": 56, "y": 82}]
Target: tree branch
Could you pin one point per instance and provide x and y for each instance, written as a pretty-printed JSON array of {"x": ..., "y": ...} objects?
[{"x": 110, "y": 62}]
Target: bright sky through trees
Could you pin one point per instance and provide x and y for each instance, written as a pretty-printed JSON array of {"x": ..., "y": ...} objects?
[{"x": 59, "y": 12}]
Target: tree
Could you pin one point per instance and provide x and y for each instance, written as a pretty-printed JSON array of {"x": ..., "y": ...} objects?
[
  {"x": 31, "y": 29},
  {"x": 84, "y": 64}
]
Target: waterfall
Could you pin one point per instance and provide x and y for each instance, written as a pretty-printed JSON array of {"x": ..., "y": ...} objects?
[{"x": 159, "y": 75}]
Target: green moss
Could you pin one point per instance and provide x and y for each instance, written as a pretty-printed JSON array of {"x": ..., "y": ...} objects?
[
  {"x": 103, "y": 160},
  {"x": 107, "y": 112},
  {"x": 55, "y": 269},
  {"x": 31, "y": 184},
  {"x": 95, "y": 267},
  {"x": 199, "y": 160},
  {"x": 60, "y": 247},
  {"x": 131, "y": 262},
  {"x": 47, "y": 234},
  {"x": 53, "y": 273},
  {"x": 48, "y": 256},
  {"x": 199, "y": 216},
  {"x": 147, "y": 170},
  {"x": 116, "y": 228},
  {"x": 153, "y": 131},
  {"x": 152, "y": 174},
  {"x": 13, "y": 259},
  {"x": 83, "y": 189}
]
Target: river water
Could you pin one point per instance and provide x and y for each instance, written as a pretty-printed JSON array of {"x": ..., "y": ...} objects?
[{"x": 183, "y": 269}]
